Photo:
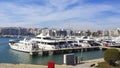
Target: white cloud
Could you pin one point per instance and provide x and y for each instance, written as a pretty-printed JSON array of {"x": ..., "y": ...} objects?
[
  {"x": 62, "y": 4},
  {"x": 94, "y": 25},
  {"x": 84, "y": 12},
  {"x": 84, "y": 15}
]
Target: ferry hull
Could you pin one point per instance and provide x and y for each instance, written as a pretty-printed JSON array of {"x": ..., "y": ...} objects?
[{"x": 18, "y": 48}]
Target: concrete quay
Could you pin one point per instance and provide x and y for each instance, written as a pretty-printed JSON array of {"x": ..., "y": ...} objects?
[
  {"x": 64, "y": 50},
  {"x": 71, "y": 50},
  {"x": 83, "y": 64}
]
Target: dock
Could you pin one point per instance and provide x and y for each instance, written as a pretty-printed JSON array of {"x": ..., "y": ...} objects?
[
  {"x": 71, "y": 50},
  {"x": 64, "y": 50},
  {"x": 111, "y": 47}
]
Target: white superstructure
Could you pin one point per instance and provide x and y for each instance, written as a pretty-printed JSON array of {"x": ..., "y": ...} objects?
[{"x": 45, "y": 42}]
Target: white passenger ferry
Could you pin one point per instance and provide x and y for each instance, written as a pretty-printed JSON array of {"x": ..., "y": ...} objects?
[{"x": 40, "y": 42}]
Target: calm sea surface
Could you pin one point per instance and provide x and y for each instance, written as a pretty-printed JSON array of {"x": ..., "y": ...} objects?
[{"x": 8, "y": 55}]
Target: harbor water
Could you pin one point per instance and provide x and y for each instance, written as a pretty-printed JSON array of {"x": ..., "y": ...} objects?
[{"x": 8, "y": 55}]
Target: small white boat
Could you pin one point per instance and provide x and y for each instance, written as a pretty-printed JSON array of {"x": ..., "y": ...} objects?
[
  {"x": 85, "y": 42},
  {"x": 23, "y": 45}
]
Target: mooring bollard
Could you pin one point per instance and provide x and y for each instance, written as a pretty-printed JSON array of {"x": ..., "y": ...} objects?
[{"x": 51, "y": 65}]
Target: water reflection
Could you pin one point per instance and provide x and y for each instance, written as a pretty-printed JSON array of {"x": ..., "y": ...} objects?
[
  {"x": 21, "y": 57},
  {"x": 91, "y": 55}
]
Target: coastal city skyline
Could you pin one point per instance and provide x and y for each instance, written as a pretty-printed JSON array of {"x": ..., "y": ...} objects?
[
  {"x": 73, "y": 14},
  {"x": 59, "y": 33}
]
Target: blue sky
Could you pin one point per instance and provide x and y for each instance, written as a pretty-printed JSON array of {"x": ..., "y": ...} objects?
[{"x": 73, "y": 14}]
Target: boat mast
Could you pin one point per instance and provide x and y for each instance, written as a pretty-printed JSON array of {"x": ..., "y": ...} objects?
[{"x": 18, "y": 32}]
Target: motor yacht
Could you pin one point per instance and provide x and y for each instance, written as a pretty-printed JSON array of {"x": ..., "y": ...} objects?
[{"x": 23, "y": 45}]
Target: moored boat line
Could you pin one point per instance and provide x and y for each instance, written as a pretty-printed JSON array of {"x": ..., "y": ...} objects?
[{"x": 45, "y": 42}]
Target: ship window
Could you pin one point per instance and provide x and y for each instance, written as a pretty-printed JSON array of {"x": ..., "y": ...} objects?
[
  {"x": 52, "y": 43},
  {"x": 25, "y": 43},
  {"x": 75, "y": 42},
  {"x": 47, "y": 38},
  {"x": 70, "y": 41},
  {"x": 61, "y": 43},
  {"x": 38, "y": 42},
  {"x": 42, "y": 42},
  {"x": 38, "y": 37},
  {"x": 81, "y": 41},
  {"x": 85, "y": 37}
]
